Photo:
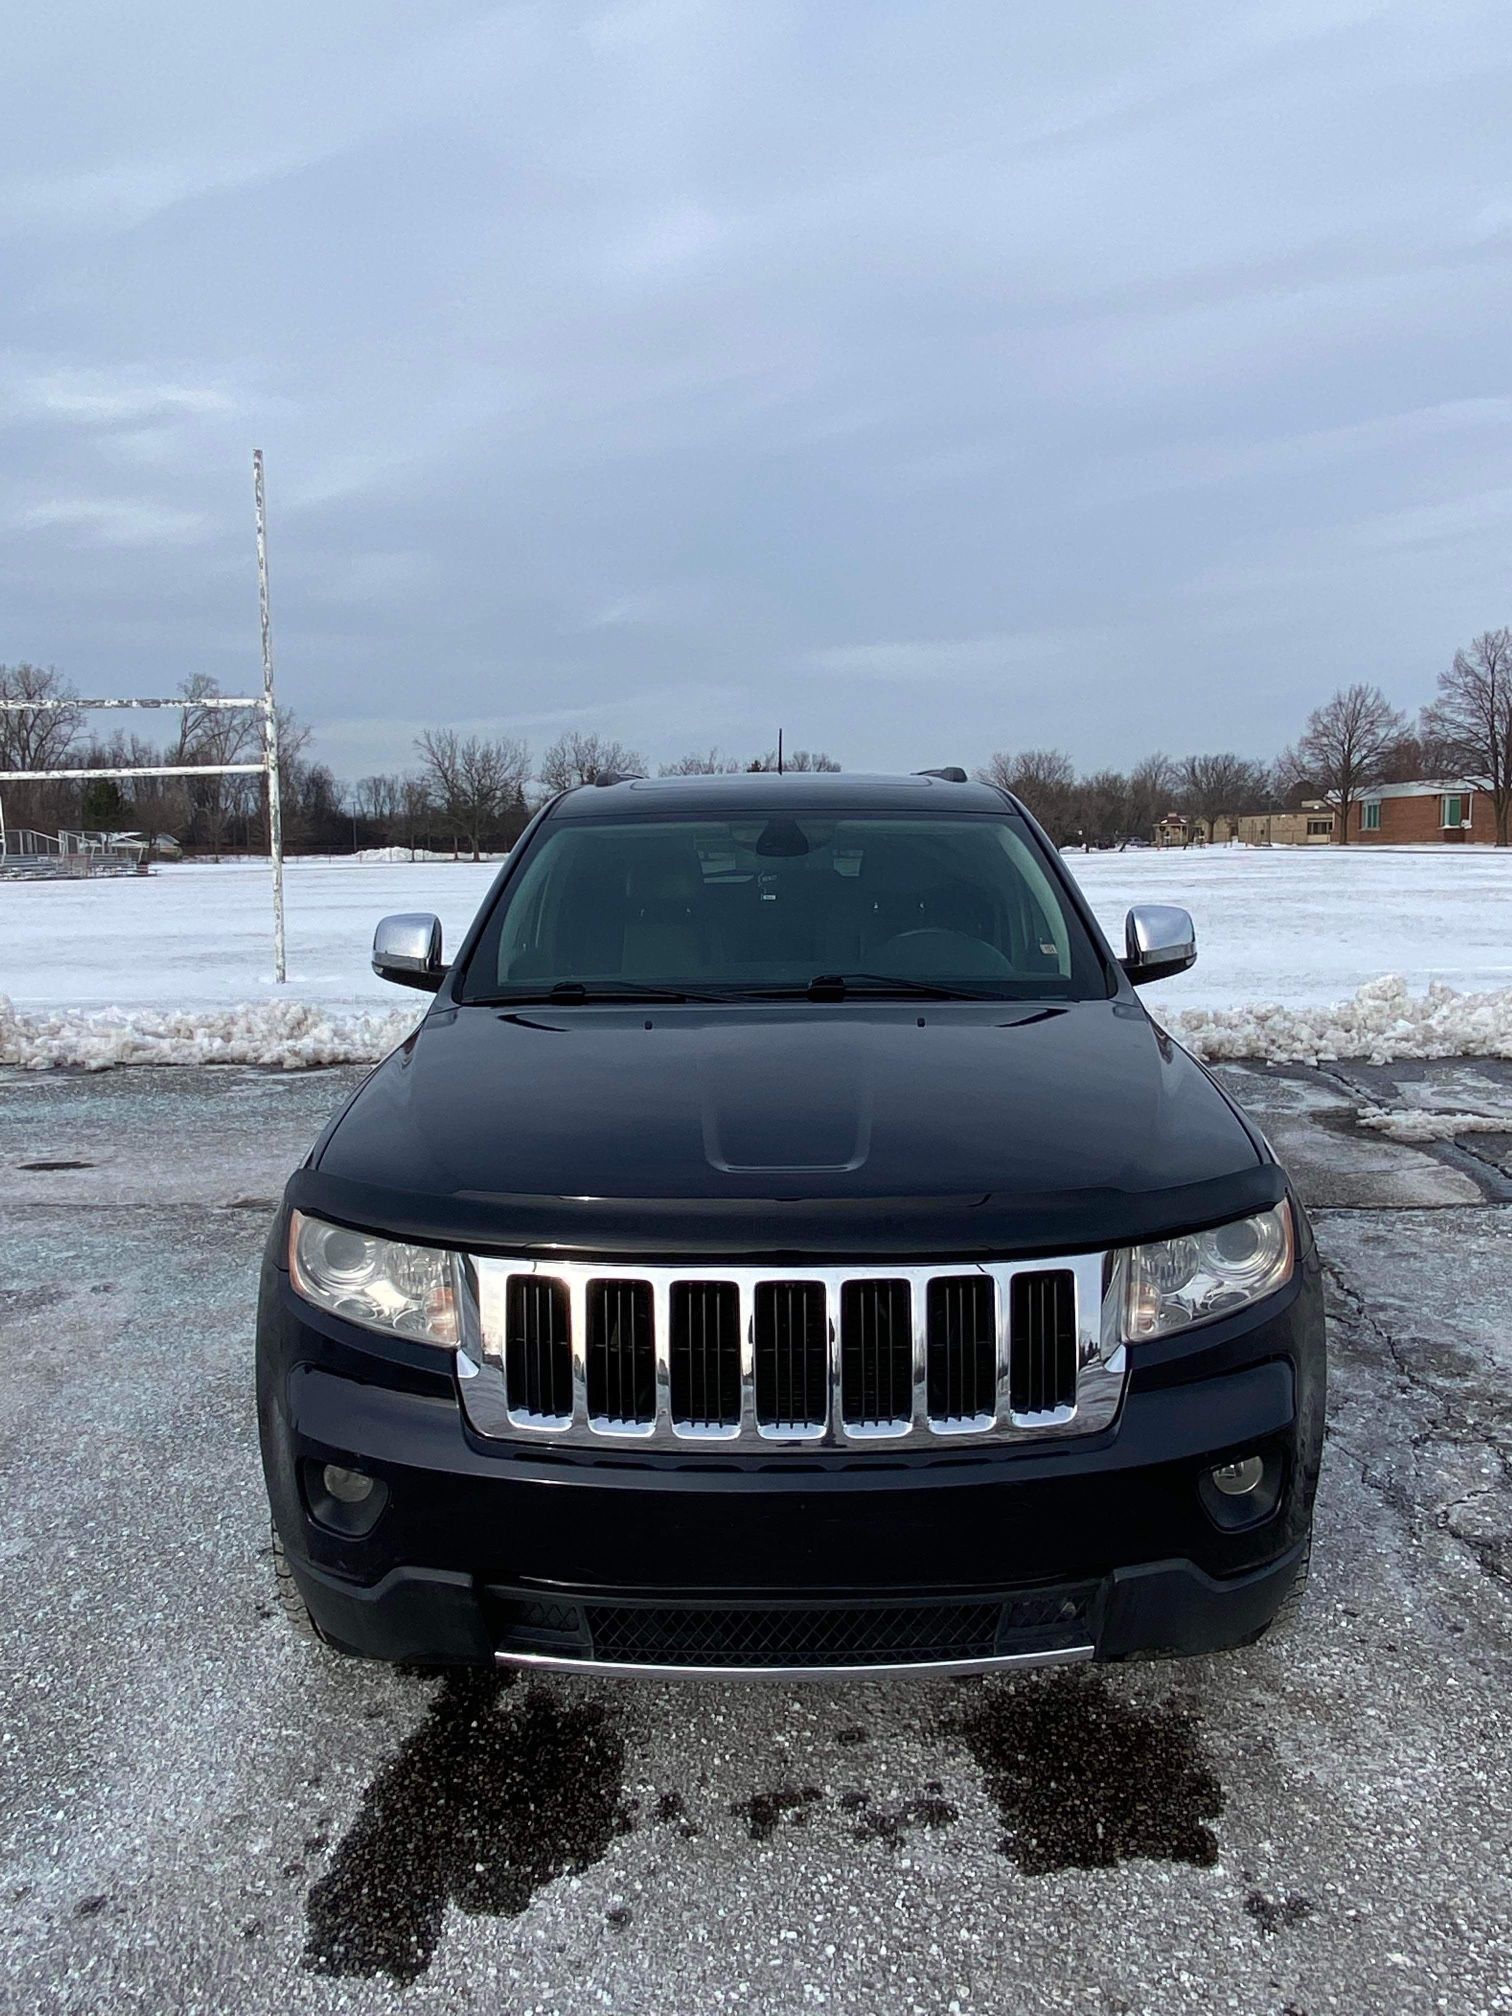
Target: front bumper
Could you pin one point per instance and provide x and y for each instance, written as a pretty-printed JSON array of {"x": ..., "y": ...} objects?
[{"x": 836, "y": 1563}]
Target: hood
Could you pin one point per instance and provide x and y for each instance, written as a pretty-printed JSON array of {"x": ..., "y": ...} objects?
[{"x": 899, "y": 1127}]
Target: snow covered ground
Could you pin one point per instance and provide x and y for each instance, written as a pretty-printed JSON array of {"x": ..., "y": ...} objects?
[{"x": 1296, "y": 949}]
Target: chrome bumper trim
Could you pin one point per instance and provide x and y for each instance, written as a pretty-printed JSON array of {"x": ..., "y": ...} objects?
[{"x": 917, "y": 1669}]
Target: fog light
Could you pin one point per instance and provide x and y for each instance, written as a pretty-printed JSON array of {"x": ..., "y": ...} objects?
[
  {"x": 351, "y": 1487},
  {"x": 1235, "y": 1480}
]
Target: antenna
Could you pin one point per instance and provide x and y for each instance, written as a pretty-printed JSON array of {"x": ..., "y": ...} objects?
[{"x": 779, "y": 752}]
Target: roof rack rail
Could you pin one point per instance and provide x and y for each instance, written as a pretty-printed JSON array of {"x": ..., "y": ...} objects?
[{"x": 951, "y": 774}]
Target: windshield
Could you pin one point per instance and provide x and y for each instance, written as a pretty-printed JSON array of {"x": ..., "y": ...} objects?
[{"x": 725, "y": 907}]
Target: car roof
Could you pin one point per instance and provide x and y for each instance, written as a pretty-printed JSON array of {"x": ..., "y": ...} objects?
[{"x": 761, "y": 793}]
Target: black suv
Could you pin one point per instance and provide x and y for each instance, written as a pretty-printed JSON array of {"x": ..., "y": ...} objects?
[{"x": 787, "y": 1245}]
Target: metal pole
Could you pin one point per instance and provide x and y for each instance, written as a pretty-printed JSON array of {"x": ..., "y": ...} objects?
[{"x": 270, "y": 722}]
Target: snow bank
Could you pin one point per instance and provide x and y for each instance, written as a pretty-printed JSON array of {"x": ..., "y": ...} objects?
[
  {"x": 293, "y": 1035},
  {"x": 1382, "y": 1022},
  {"x": 413, "y": 854},
  {"x": 1402, "y": 1123}
]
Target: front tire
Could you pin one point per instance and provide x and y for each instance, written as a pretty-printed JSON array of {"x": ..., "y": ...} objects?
[{"x": 1291, "y": 1603}]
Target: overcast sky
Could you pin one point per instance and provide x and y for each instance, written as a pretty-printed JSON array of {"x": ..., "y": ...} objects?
[{"x": 924, "y": 378}]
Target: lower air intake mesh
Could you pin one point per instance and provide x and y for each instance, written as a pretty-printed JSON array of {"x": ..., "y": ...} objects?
[{"x": 858, "y": 1635}]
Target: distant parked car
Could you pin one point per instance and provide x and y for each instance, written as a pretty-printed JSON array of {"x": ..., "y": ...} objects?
[{"x": 787, "y": 1245}]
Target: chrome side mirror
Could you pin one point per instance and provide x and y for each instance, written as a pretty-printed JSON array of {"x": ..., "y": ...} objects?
[
  {"x": 407, "y": 950},
  {"x": 1161, "y": 940}
]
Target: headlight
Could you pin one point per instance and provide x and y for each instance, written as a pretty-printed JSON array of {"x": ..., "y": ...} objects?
[
  {"x": 1173, "y": 1282},
  {"x": 413, "y": 1291}
]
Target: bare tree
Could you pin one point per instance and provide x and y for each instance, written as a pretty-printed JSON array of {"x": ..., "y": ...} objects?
[
  {"x": 709, "y": 764},
  {"x": 476, "y": 784},
  {"x": 294, "y": 781},
  {"x": 1348, "y": 744},
  {"x": 1099, "y": 807},
  {"x": 1210, "y": 786},
  {"x": 375, "y": 802},
  {"x": 575, "y": 758},
  {"x": 1044, "y": 780},
  {"x": 215, "y": 735},
  {"x": 803, "y": 760},
  {"x": 155, "y": 806},
  {"x": 414, "y": 813},
  {"x": 494, "y": 775},
  {"x": 1469, "y": 725},
  {"x": 1152, "y": 784},
  {"x": 36, "y": 738},
  {"x": 440, "y": 753}
]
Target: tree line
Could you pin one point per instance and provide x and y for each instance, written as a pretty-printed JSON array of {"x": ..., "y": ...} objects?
[
  {"x": 1352, "y": 742},
  {"x": 473, "y": 793},
  {"x": 468, "y": 793}
]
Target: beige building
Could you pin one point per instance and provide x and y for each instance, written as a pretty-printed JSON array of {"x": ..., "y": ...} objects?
[{"x": 1311, "y": 826}]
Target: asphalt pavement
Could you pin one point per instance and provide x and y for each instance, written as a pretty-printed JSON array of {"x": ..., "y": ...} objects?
[{"x": 200, "y": 1813}]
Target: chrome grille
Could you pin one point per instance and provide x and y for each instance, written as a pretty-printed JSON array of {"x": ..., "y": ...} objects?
[
  {"x": 876, "y": 1355},
  {"x": 813, "y": 1356},
  {"x": 1043, "y": 1323},
  {"x": 621, "y": 1355},
  {"x": 962, "y": 1350},
  {"x": 538, "y": 1349},
  {"x": 704, "y": 1354},
  {"x": 792, "y": 1357}
]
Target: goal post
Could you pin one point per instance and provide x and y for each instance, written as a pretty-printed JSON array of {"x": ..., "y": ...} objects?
[
  {"x": 266, "y": 765},
  {"x": 87, "y": 773}
]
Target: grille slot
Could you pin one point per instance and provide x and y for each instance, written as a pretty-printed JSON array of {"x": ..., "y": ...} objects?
[
  {"x": 961, "y": 1368},
  {"x": 1042, "y": 1342},
  {"x": 876, "y": 1354},
  {"x": 538, "y": 1348},
  {"x": 792, "y": 1355},
  {"x": 621, "y": 1352},
  {"x": 703, "y": 1351}
]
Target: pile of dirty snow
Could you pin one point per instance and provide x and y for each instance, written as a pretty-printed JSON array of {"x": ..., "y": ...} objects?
[
  {"x": 291, "y": 1035},
  {"x": 1381, "y": 1023}
]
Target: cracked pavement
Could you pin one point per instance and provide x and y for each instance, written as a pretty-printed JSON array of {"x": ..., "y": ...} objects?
[{"x": 199, "y": 1813}]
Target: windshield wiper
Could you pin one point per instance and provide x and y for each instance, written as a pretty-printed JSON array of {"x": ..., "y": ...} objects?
[
  {"x": 827, "y": 986},
  {"x": 567, "y": 993}
]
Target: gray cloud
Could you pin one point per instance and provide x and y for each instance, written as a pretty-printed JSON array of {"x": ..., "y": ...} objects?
[{"x": 922, "y": 377}]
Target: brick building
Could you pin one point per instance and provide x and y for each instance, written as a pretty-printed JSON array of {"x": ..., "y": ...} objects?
[{"x": 1415, "y": 813}]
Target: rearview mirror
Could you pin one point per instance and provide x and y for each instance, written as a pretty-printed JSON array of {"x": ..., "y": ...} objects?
[
  {"x": 407, "y": 950},
  {"x": 1161, "y": 940}
]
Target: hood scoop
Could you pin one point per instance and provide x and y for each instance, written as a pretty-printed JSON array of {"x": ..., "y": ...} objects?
[{"x": 814, "y": 1115}]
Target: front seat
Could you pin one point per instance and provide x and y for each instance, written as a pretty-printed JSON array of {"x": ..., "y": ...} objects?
[{"x": 667, "y": 931}]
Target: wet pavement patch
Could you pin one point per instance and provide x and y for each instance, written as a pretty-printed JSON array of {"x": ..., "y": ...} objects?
[
  {"x": 892, "y": 1825},
  {"x": 480, "y": 1808},
  {"x": 672, "y": 1811},
  {"x": 764, "y": 1811},
  {"x": 1276, "y": 1914},
  {"x": 1084, "y": 1779}
]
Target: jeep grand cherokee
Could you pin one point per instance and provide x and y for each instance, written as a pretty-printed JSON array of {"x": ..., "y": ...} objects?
[{"x": 788, "y": 1245}]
